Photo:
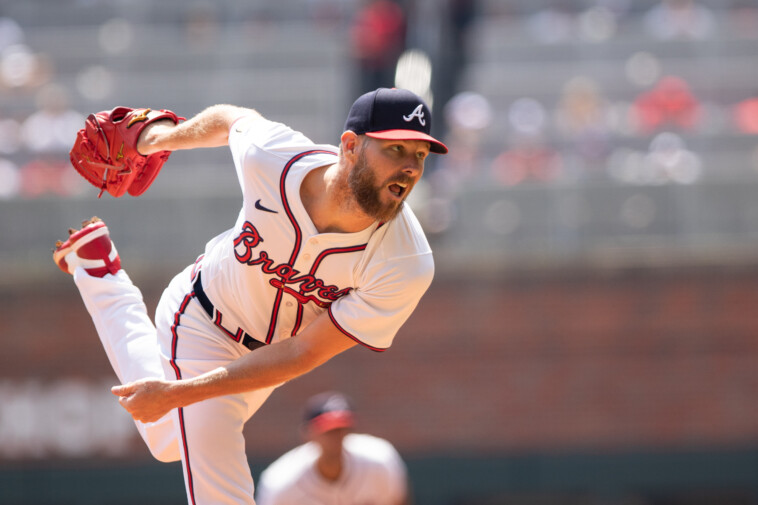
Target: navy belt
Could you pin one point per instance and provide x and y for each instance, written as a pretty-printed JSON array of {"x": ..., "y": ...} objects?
[{"x": 246, "y": 339}]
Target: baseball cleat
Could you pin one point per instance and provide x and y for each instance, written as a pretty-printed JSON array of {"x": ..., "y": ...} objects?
[{"x": 90, "y": 248}]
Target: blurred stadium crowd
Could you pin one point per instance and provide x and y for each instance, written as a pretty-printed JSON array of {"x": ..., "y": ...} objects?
[{"x": 571, "y": 122}]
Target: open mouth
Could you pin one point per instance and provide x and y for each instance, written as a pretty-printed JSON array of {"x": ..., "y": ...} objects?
[{"x": 398, "y": 189}]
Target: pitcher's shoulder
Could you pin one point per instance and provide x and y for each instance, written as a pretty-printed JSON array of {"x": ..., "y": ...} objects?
[{"x": 404, "y": 235}]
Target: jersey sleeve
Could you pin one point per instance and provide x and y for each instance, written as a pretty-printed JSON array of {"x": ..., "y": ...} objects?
[
  {"x": 373, "y": 313},
  {"x": 397, "y": 477},
  {"x": 280, "y": 483},
  {"x": 262, "y": 134},
  {"x": 260, "y": 148},
  {"x": 384, "y": 467},
  {"x": 265, "y": 494},
  {"x": 398, "y": 270}
]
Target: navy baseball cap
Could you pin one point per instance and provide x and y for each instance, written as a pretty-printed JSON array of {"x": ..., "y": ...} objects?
[
  {"x": 393, "y": 114},
  {"x": 327, "y": 411}
]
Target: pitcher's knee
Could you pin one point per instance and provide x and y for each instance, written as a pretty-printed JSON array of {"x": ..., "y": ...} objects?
[
  {"x": 167, "y": 454},
  {"x": 161, "y": 439}
]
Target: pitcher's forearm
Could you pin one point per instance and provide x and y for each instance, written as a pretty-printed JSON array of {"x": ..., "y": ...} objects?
[
  {"x": 209, "y": 128},
  {"x": 265, "y": 367},
  {"x": 148, "y": 400}
]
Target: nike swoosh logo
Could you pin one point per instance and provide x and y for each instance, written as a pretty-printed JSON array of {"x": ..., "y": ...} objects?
[{"x": 265, "y": 209}]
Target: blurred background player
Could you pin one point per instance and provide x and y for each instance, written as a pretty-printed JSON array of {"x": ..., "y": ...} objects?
[{"x": 335, "y": 465}]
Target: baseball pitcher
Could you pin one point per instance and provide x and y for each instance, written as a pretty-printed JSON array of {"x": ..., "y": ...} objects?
[{"x": 323, "y": 249}]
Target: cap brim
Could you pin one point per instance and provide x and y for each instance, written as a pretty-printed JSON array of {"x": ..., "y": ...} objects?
[
  {"x": 330, "y": 421},
  {"x": 436, "y": 146}
]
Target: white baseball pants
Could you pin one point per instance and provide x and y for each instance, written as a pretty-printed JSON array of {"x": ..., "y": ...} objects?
[{"x": 184, "y": 343}]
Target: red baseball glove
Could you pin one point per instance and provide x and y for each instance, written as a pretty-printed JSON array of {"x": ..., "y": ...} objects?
[{"x": 105, "y": 152}]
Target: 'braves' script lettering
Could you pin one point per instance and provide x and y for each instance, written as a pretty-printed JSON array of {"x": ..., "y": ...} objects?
[{"x": 286, "y": 274}]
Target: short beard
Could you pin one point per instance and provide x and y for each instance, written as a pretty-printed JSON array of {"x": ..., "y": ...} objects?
[{"x": 362, "y": 183}]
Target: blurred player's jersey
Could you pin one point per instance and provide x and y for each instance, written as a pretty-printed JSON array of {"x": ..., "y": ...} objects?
[{"x": 373, "y": 474}]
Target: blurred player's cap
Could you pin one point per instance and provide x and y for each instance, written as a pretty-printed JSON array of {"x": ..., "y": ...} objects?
[
  {"x": 393, "y": 114},
  {"x": 327, "y": 411}
]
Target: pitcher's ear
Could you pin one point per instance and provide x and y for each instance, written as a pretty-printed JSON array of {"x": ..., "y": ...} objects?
[{"x": 349, "y": 143}]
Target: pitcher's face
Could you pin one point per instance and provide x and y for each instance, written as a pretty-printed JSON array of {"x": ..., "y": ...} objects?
[{"x": 384, "y": 174}]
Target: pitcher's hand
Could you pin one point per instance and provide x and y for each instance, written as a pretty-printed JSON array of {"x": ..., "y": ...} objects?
[{"x": 147, "y": 400}]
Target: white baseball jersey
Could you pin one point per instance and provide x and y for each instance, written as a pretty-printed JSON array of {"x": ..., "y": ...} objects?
[
  {"x": 373, "y": 474},
  {"x": 273, "y": 273}
]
